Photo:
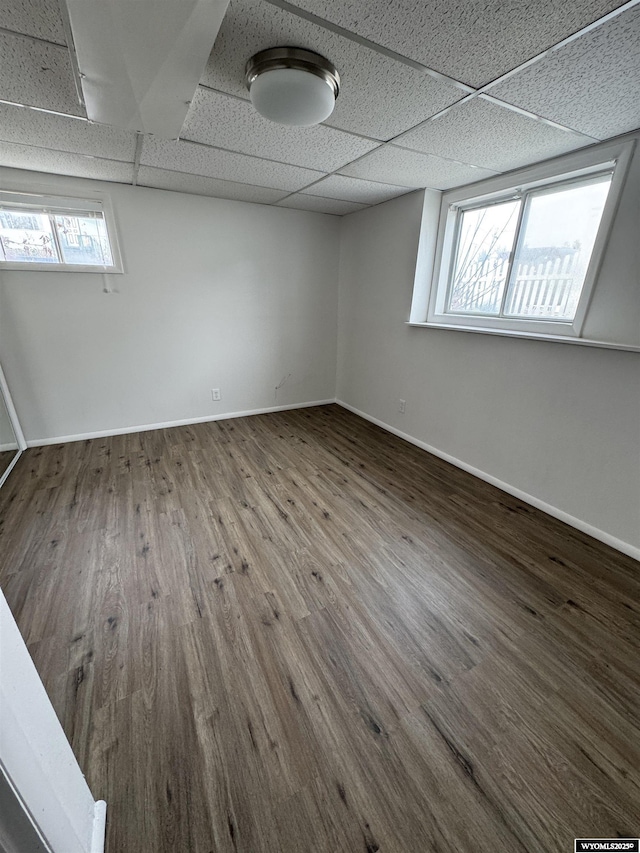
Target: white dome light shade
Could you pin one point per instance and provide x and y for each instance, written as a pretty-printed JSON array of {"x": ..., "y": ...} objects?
[
  {"x": 292, "y": 86},
  {"x": 294, "y": 97}
]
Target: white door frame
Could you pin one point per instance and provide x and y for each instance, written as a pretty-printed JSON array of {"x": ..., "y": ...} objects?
[
  {"x": 35, "y": 755},
  {"x": 15, "y": 423}
]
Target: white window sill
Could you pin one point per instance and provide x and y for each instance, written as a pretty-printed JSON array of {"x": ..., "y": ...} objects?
[
  {"x": 508, "y": 333},
  {"x": 17, "y": 267}
]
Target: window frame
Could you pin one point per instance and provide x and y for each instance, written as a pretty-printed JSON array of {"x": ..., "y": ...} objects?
[
  {"x": 609, "y": 157},
  {"x": 51, "y": 205}
]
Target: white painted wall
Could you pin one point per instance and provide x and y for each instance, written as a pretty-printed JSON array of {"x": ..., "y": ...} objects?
[
  {"x": 217, "y": 294},
  {"x": 614, "y": 313},
  {"x": 555, "y": 422},
  {"x": 240, "y": 297}
]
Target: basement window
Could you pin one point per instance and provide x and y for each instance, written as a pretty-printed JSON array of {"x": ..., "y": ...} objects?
[
  {"x": 52, "y": 233},
  {"x": 520, "y": 253}
]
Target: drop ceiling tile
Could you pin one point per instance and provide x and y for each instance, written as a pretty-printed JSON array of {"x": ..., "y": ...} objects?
[
  {"x": 473, "y": 41},
  {"x": 379, "y": 96},
  {"x": 399, "y": 166},
  {"x": 179, "y": 182},
  {"x": 353, "y": 189},
  {"x": 37, "y": 74},
  {"x": 199, "y": 159},
  {"x": 302, "y": 201},
  {"x": 65, "y": 134},
  {"x": 39, "y": 18},
  {"x": 64, "y": 163},
  {"x": 591, "y": 84},
  {"x": 485, "y": 134},
  {"x": 228, "y": 122}
]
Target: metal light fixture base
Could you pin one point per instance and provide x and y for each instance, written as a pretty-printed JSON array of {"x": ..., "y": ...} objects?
[{"x": 275, "y": 58}]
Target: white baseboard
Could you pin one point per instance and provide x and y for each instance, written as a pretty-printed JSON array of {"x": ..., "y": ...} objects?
[
  {"x": 603, "y": 536},
  {"x": 99, "y": 826},
  {"x": 9, "y": 468},
  {"x": 103, "y": 433}
]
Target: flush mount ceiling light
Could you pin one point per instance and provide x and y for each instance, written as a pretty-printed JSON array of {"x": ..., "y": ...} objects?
[{"x": 291, "y": 85}]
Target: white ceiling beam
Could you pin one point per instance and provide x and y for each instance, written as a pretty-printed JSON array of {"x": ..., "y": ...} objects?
[{"x": 140, "y": 61}]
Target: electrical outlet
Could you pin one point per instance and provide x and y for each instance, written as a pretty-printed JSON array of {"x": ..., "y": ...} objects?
[
  {"x": 402, "y": 406},
  {"x": 215, "y": 395}
]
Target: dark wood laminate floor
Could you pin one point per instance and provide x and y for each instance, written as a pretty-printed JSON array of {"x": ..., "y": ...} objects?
[{"x": 295, "y": 632}]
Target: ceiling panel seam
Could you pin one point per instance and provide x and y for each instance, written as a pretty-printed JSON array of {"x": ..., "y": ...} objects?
[
  {"x": 228, "y": 180},
  {"x": 242, "y": 154},
  {"x": 313, "y": 183},
  {"x": 223, "y": 198},
  {"x": 439, "y": 114},
  {"x": 336, "y": 172},
  {"x": 226, "y": 94},
  {"x": 285, "y": 193},
  {"x": 382, "y": 201},
  {"x": 529, "y": 114},
  {"x": 478, "y": 95},
  {"x": 49, "y": 112},
  {"x": 372, "y": 45},
  {"x": 136, "y": 157},
  {"x": 364, "y": 205},
  {"x": 350, "y": 163},
  {"x": 471, "y": 91},
  {"x": 465, "y": 162},
  {"x": 6, "y": 32},
  {"x": 483, "y": 92},
  {"x": 471, "y": 96},
  {"x": 62, "y": 151},
  {"x": 571, "y": 38},
  {"x": 437, "y": 156},
  {"x": 415, "y": 151}
]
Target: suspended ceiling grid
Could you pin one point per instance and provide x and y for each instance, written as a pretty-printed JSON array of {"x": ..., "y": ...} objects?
[{"x": 436, "y": 94}]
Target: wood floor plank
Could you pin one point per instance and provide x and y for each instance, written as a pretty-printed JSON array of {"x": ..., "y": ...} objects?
[{"x": 295, "y": 633}]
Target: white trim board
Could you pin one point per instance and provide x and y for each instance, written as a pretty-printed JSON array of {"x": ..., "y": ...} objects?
[
  {"x": 103, "y": 433},
  {"x": 11, "y": 409},
  {"x": 528, "y": 336},
  {"x": 36, "y": 758},
  {"x": 572, "y": 521},
  {"x": 10, "y": 466},
  {"x": 98, "y": 835}
]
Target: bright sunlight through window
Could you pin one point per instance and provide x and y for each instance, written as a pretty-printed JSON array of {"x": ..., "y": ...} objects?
[
  {"x": 53, "y": 233},
  {"x": 520, "y": 253},
  {"x": 528, "y": 257}
]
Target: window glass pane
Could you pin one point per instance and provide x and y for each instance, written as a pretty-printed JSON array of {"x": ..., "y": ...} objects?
[
  {"x": 27, "y": 236},
  {"x": 83, "y": 239},
  {"x": 550, "y": 266},
  {"x": 482, "y": 258}
]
